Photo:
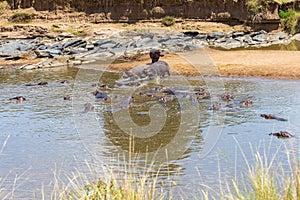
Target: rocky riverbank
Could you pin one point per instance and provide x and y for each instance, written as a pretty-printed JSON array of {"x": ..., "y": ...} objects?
[{"x": 40, "y": 48}]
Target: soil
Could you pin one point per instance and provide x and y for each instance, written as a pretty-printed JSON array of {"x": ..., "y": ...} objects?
[
  {"x": 237, "y": 63},
  {"x": 240, "y": 63}
]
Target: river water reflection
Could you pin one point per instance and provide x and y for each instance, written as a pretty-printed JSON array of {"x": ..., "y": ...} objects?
[{"x": 49, "y": 138}]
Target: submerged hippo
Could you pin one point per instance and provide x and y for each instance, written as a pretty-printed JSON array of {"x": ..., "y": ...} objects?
[
  {"x": 227, "y": 97},
  {"x": 282, "y": 134},
  {"x": 67, "y": 97},
  {"x": 88, "y": 107},
  {"x": 269, "y": 116},
  {"x": 18, "y": 98},
  {"x": 155, "y": 55},
  {"x": 101, "y": 95},
  {"x": 246, "y": 103},
  {"x": 159, "y": 68},
  {"x": 35, "y": 84},
  {"x": 216, "y": 106}
]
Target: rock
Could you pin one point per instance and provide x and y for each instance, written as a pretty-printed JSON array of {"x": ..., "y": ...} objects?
[
  {"x": 12, "y": 48},
  {"x": 157, "y": 12},
  {"x": 238, "y": 34},
  {"x": 215, "y": 35},
  {"x": 75, "y": 43},
  {"x": 29, "y": 55},
  {"x": 201, "y": 37},
  {"x": 297, "y": 37},
  {"x": 147, "y": 43},
  {"x": 190, "y": 47},
  {"x": 54, "y": 52},
  {"x": 89, "y": 47},
  {"x": 148, "y": 35},
  {"x": 231, "y": 44},
  {"x": 253, "y": 34},
  {"x": 100, "y": 56},
  {"x": 261, "y": 37},
  {"x": 58, "y": 46},
  {"x": 103, "y": 42},
  {"x": 247, "y": 39},
  {"x": 28, "y": 67},
  {"x": 164, "y": 38},
  {"x": 42, "y": 53}
]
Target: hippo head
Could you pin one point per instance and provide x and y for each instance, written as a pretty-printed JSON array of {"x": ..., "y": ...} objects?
[{"x": 155, "y": 55}]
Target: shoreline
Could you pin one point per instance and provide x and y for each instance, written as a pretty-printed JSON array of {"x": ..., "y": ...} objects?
[
  {"x": 275, "y": 64},
  {"x": 271, "y": 64}
]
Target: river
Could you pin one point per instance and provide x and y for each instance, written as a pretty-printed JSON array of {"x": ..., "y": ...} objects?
[{"x": 182, "y": 144}]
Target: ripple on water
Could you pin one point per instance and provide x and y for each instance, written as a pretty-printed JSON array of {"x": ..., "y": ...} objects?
[{"x": 48, "y": 132}]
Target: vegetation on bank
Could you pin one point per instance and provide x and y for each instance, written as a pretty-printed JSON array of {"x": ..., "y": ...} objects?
[
  {"x": 290, "y": 20},
  {"x": 256, "y": 8},
  {"x": 168, "y": 21},
  {"x": 263, "y": 180}
]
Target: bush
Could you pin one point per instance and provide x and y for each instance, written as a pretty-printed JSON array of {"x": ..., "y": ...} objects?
[
  {"x": 286, "y": 14},
  {"x": 20, "y": 17},
  {"x": 3, "y": 7},
  {"x": 168, "y": 21},
  {"x": 289, "y": 20}
]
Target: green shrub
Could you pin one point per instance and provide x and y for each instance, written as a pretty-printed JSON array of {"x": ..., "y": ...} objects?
[
  {"x": 168, "y": 21},
  {"x": 20, "y": 17},
  {"x": 289, "y": 20},
  {"x": 286, "y": 14}
]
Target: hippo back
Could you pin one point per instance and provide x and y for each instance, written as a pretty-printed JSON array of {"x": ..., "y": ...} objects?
[
  {"x": 137, "y": 71},
  {"x": 159, "y": 68}
]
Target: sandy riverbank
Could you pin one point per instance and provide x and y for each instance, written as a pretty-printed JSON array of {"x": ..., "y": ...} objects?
[{"x": 239, "y": 63}]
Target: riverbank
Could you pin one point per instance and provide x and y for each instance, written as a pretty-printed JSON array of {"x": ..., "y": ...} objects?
[
  {"x": 52, "y": 45},
  {"x": 240, "y": 63}
]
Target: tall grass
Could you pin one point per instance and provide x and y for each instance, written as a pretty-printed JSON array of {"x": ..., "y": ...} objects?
[
  {"x": 112, "y": 187},
  {"x": 121, "y": 182},
  {"x": 265, "y": 179}
]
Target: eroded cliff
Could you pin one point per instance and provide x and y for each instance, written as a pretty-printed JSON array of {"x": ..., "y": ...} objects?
[{"x": 149, "y": 9}]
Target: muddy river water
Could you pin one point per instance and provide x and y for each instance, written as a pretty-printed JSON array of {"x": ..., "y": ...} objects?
[{"x": 179, "y": 141}]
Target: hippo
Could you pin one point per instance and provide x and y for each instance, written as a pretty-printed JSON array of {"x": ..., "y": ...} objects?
[
  {"x": 282, "y": 134},
  {"x": 64, "y": 81},
  {"x": 136, "y": 72},
  {"x": 159, "y": 68},
  {"x": 227, "y": 97},
  {"x": 151, "y": 93},
  {"x": 168, "y": 91},
  {"x": 269, "y": 116},
  {"x": 246, "y": 103},
  {"x": 35, "y": 84},
  {"x": 202, "y": 93},
  {"x": 18, "y": 98},
  {"x": 155, "y": 55},
  {"x": 88, "y": 107},
  {"x": 67, "y": 98},
  {"x": 43, "y": 83},
  {"x": 101, "y": 95},
  {"x": 216, "y": 106}
]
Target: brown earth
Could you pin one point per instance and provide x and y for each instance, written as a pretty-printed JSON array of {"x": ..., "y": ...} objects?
[{"x": 240, "y": 63}]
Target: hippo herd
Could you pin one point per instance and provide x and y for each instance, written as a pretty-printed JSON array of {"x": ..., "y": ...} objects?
[{"x": 159, "y": 93}]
